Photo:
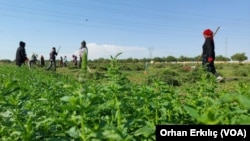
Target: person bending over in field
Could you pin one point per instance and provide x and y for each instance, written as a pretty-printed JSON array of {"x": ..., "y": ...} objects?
[
  {"x": 33, "y": 60},
  {"x": 208, "y": 53},
  {"x": 65, "y": 61},
  {"x": 52, "y": 59},
  {"x": 74, "y": 60}
]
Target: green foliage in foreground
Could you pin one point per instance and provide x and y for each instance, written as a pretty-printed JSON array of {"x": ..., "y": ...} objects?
[{"x": 39, "y": 105}]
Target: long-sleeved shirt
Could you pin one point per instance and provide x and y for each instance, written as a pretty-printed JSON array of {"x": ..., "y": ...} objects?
[
  {"x": 21, "y": 55},
  {"x": 208, "y": 49},
  {"x": 52, "y": 55}
]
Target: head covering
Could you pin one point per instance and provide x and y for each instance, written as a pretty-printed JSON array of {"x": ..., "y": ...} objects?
[
  {"x": 208, "y": 32},
  {"x": 83, "y": 43},
  {"x": 22, "y": 44}
]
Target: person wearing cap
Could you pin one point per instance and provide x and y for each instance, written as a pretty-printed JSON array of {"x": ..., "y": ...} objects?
[
  {"x": 21, "y": 55},
  {"x": 208, "y": 53},
  {"x": 52, "y": 59},
  {"x": 83, "y": 53}
]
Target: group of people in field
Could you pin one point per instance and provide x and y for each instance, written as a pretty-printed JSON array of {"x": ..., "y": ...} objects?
[
  {"x": 21, "y": 56},
  {"x": 208, "y": 54},
  {"x": 63, "y": 61}
]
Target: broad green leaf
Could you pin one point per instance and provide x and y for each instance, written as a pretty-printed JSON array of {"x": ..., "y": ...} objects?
[
  {"x": 145, "y": 131},
  {"x": 191, "y": 111},
  {"x": 73, "y": 132}
]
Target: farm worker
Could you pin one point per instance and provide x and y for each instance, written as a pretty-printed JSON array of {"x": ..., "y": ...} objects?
[
  {"x": 52, "y": 59},
  {"x": 61, "y": 61},
  {"x": 208, "y": 53},
  {"x": 74, "y": 59},
  {"x": 42, "y": 60},
  {"x": 21, "y": 55},
  {"x": 65, "y": 61},
  {"x": 33, "y": 59},
  {"x": 83, "y": 54}
]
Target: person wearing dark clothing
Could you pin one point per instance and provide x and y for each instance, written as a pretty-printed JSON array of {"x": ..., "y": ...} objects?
[
  {"x": 21, "y": 55},
  {"x": 74, "y": 60},
  {"x": 61, "y": 61},
  {"x": 208, "y": 53},
  {"x": 42, "y": 61},
  {"x": 52, "y": 59}
]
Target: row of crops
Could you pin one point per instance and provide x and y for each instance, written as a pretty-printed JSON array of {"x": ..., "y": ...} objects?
[{"x": 42, "y": 105}]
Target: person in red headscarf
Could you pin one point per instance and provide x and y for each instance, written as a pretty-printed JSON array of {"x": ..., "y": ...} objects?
[{"x": 208, "y": 53}]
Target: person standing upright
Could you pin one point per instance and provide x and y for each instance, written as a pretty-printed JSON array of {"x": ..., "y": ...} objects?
[
  {"x": 208, "y": 53},
  {"x": 65, "y": 61},
  {"x": 61, "y": 61},
  {"x": 21, "y": 55},
  {"x": 42, "y": 61},
  {"x": 52, "y": 59},
  {"x": 83, "y": 54}
]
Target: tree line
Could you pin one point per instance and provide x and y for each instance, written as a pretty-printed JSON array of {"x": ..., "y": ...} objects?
[{"x": 240, "y": 57}]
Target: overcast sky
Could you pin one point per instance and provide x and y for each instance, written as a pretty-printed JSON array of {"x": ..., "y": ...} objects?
[{"x": 137, "y": 28}]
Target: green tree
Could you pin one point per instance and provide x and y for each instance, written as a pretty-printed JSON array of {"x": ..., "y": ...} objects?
[
  {"x": 184, "y": 58},
  {"x": 129, "y": 60},
  {"x": 222, "y": 58},
  {"x": 157, "y": 59},
  {"x": 171, "y": 59},
  {"x": 239, "y": 57}
]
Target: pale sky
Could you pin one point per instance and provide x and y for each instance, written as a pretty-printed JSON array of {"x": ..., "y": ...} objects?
[{"x": 138, "y": 28}]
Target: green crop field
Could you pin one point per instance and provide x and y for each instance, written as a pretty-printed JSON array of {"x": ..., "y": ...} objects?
[{"x": 118, "y": 101}]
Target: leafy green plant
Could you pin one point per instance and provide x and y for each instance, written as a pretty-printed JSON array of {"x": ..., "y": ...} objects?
[{"x": 40, "y": 105}]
